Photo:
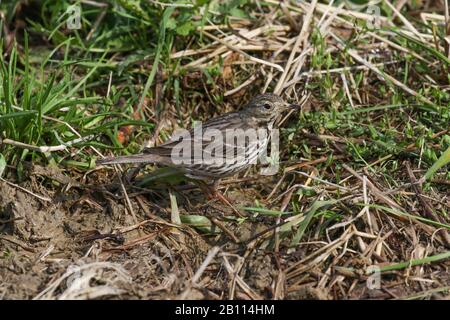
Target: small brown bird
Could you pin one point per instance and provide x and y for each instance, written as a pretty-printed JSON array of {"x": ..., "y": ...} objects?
[{"x": 227, "y": 157}]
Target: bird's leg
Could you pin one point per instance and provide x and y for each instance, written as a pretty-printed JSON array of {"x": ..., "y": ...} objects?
[
  {"x": 227, "y": 202},
  {"x": 213, "y": 192}
]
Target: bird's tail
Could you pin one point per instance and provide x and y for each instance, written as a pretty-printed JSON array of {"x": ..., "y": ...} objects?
[{"x": 137, "y": 158}]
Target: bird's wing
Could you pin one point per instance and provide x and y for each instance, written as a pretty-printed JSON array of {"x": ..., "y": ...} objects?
[{"x": 226, "y": 121}]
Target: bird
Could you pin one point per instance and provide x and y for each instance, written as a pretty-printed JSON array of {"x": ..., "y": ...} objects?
[{"x": 218, "y": 157}]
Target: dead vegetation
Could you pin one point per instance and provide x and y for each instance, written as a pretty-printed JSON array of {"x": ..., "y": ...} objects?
[{"x": 349, "y": 216}]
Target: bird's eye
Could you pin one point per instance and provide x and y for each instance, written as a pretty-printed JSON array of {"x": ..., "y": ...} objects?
[{"x": 267, "y": 106}]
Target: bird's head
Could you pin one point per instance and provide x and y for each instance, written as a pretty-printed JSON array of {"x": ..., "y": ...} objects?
[{"x": 266, "y": 107}]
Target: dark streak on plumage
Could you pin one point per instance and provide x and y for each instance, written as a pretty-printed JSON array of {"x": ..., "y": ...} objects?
[{"x": 260, "y": 112}]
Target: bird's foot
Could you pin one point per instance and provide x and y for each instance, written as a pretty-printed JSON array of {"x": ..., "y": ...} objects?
[{"x": 213, "y": 194}]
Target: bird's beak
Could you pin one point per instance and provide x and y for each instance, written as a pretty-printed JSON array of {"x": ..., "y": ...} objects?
[{"x": 289, "y": 106}]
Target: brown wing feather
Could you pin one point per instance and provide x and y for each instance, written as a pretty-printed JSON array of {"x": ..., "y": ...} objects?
[
  {"x": 226, "y": 121},
  {"x": 230, "y": 120}
]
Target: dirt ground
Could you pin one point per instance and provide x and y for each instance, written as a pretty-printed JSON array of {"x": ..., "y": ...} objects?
[
  {"x": 345, "y": 216},
  {"x": 69, "y": 241}
]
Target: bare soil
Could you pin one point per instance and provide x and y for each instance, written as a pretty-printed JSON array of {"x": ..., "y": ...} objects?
[{"x": 86, "y": 243}]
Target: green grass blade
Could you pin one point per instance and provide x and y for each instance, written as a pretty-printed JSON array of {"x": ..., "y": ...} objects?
[
  {"x": 414, "y": 262},
  {"x": 266, "y": 212},
  {"x": 443, "y": 160},
  {"x": 309, "y": 215}
]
